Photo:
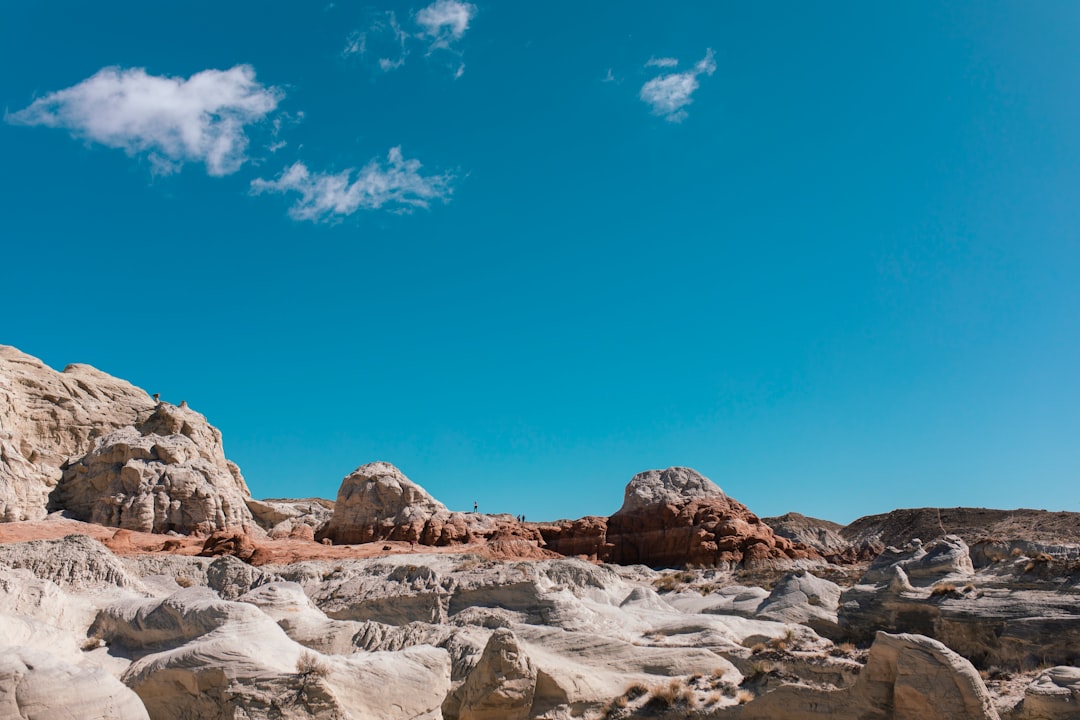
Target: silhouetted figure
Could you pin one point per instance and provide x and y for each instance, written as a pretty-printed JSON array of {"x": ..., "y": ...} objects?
[
  {"x": 475, "y": 506},
  {"x": 157, "y": 398}
]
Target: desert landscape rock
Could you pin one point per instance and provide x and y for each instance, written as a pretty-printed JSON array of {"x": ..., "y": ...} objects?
[
  {"x": 48, "y": 418},
  {"x": 158, "y": 588},
  {"x": 168, "y": 474}
]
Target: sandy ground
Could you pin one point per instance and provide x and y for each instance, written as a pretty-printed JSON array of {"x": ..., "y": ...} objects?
[{"x": 281, "y": 551}]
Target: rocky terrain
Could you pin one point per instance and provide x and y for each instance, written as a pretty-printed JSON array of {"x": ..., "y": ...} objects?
[{"x": 139, "y": 579}]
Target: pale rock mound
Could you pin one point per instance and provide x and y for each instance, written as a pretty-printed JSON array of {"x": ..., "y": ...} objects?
[
  {"x": 76, "y": 562},
  {"x": 36, "y": 686},
  {"x": 375, "y": 500},
  {"x": 907, "y": 677},
  {"x": 167, "y": 474},
  {"x": 292, "y": 518},
  {"x": 801, "y": 597},
  {"x": 1053, "y": 695},
  {"x": 196, "y": 655},
  {"x": 673, "y": 486},
  {"x": 48, "y": 418},
  {"x": 503, "y": 683}
]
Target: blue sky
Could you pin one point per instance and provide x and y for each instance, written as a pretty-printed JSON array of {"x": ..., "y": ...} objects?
[{"x": 826, "y": 255}]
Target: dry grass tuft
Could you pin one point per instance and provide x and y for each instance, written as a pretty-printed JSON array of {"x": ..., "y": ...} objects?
[
  {"x": 310, "y": 665},
  {"x": 942, "y": 589},
  {"x": 743, "y": 697},
  {"x": 184, "y": 581}
]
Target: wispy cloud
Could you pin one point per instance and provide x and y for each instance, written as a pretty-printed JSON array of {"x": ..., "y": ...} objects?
[
  {"x": 384, "y": 40},
  {"x": 664, "y": 62},
  {"x": 438, "y": 28},
  {"x": 670, "y": 94},
  {"x": 171, "y": 120},
  {"x": 397, "y": 185},
  {"x": 445, "y": 21}
]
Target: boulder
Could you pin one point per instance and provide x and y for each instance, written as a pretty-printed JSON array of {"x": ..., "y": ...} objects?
[
  {"x": 503, "y": 683},
  {"x": 800, "y": 597},
  {"x": 907, "y": 677},
  {"x": 377, "y": 502},
  {"x": 48, "y": 418},
  {"x": 1053, "y": 695},
  {"x": 169, "y": 473},
  {"x": 34, "y": 685}
]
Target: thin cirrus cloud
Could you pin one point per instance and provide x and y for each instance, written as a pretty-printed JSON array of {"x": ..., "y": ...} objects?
[
  {"x": 438, "y": 26},
  {"x": 670, "y": 94},
  {"x": 170, "y": 120},
  {"x": 396, "y": 185}
]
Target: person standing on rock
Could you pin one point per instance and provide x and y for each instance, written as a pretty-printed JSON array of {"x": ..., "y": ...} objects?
[{"x": 475, "y": 506}]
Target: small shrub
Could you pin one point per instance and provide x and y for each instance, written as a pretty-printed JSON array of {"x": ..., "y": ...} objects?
[
  {"x": 942, "y": 589},
  {"x": 759, "y": 668},
  {"x": 758, "y": 648},
  {"x": 620, "y": 702},
  {"x": 91, "y": 643},
  {"x": 777, "y": 644},
  {"x": 712, "y": 698},
  {"x": 666, "y": 583},
  {"x": 310, "y": 665},
  {"x": 743, "y": 696},
  {"x": 184, "y": 581},
  {"x": 1016, "y": 552},
  {"x": 970, "y": 587},
  {"x": 635, "y": 691},
  {"x": 1044, "y": 558}
]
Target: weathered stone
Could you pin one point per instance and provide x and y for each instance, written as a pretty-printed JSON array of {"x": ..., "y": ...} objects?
[
  {"x": 503, "y": 683},
  {"x": 48, "y": 418},
  {"x": 168, "y": 474}
]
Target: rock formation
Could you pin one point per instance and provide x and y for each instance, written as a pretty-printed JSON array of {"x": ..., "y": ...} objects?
[
  {"x": 34, "y": 684},
  {"x": 998, "y": 531},
  {"x": 502, "y": 685},
  {"x": 676, "y": 517},
  {"x": 907, "y": 677},
  {"x": 169, "y": 473},
  {"x": 48, "y": 418},
  {"x": 377, "y": 502}
]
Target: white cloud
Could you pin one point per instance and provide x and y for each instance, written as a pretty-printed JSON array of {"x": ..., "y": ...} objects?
[
  {"x": 171, "y": 120},
  {"x": 445, "y": 20},
  {"x": 664, "y": 62},
  {"x": 326, "y": 196},
  {"x": 670, "y": 94}
]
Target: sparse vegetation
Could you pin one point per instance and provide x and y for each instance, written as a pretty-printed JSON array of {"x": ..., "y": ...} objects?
[
  {"x": 184, "y": 581},
  {"x": 758, "y": 648},
  {"x": 91, "y": 643},
  {"x": 743, "y": 696},
  {"x": 635, "y": 691},
  {"x": 311, "y": 666},
  {"x": 943, "y": 589}
]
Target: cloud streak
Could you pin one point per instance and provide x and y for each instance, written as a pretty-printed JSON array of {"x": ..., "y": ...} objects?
[
  {"x": 397, "y": 185},
  {"x": 670, "y": 94},
  {"x": 171, "y": 120},
  {"x": 439, "y": 26}
]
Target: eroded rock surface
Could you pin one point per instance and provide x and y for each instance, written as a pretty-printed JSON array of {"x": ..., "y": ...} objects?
[
  {"x": 49, "y": 417},
  {"x": 676, "y": 517},
  {"x": 169, "y": 473}
]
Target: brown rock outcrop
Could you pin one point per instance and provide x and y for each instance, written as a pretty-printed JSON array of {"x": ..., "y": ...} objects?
[
  {"x": 676, "y": 517},
  {"x": 167, "y": 474},
  {"x": 48, "y": 418}
]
